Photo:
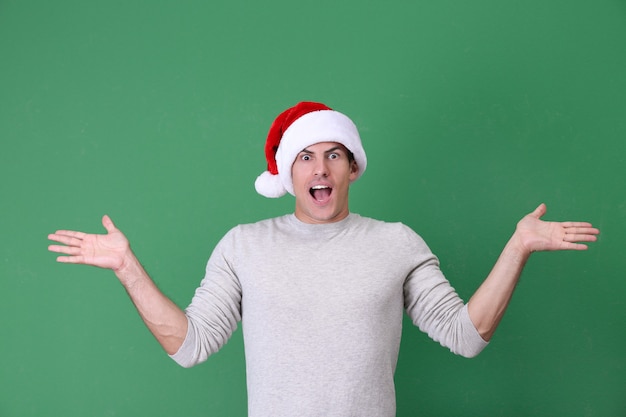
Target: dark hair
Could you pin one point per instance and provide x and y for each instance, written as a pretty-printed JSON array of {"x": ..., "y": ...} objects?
[{"x": 350, "y": 155}]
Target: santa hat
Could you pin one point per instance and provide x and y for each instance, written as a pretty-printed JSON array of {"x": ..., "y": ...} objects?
[{"x": 298, "y": 127}]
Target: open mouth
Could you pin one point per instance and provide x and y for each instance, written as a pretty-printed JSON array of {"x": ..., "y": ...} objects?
[{"x": 321, "y": 193}]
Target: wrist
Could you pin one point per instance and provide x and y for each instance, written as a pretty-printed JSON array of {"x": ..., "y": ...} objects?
[
  {"x": 517, "y": 248},
  {"x": 129, "y": 270}
]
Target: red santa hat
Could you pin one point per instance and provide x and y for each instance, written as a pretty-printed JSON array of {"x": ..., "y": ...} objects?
[{"x": 298, "y": 127}]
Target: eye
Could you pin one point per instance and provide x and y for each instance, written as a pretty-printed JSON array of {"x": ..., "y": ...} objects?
[
  {"x": 333, "y": 155},
  {"x": 305, "y": 157}
]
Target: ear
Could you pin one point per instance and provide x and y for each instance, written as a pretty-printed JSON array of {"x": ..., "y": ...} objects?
[{"x": 354, "y": 170}]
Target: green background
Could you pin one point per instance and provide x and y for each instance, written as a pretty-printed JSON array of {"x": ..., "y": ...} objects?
[{"x": 155, "y": 112}]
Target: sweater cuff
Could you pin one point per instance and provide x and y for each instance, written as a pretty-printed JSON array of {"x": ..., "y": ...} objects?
[
  {"x": 473, "y": 343},
  {"x": 184, "y": 355}
]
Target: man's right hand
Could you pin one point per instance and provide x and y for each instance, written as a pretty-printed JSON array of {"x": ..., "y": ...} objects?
[{"x": 104, "y": 251}]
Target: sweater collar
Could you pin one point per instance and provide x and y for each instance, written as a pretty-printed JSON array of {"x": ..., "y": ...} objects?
[{"x": 323, "y": 228}]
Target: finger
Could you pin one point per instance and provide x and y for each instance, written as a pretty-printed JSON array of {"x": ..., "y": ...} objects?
[
  {"x": 108, "y": 224},
  {"x": 539, "y": 211},
  {"x": 578, "y": 224},
  {"x": 66, "y": 240},
  {"x": 70, "y": 233},
  {"x": 574, "y": 246},
  {"x": 68, "y": 250},
  {"x": 582, "y": 230},
  {"x": 70, "y": 259},
  {"x": 575, "y": 237}
]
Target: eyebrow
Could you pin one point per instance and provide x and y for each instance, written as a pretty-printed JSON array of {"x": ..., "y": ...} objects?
[{"x": 333, "y": 149}]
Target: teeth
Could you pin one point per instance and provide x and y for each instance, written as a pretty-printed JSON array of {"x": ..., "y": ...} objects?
[{"x": 319, "y": 187}]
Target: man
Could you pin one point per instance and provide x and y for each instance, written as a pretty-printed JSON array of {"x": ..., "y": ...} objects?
[{"x": 320, "y": 292}]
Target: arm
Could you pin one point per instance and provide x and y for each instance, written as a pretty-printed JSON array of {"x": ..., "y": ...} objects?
[
  {"x": 163, "y": 318},
  {"x": 489, "y": 302}
]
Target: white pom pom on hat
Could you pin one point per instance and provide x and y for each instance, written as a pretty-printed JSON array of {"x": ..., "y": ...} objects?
[{"x": 302, "y": 125}]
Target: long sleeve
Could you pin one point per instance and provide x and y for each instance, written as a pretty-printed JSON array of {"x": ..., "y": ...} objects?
[
  {"x": 214, "y": 311},
  {"x": 435, "y": 307}
]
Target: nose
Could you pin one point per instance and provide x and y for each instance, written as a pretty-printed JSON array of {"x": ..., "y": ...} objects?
[{"x": 321, "y": 168}]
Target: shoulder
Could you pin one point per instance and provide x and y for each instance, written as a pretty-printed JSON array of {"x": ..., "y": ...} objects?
[
  {"x": 397, "y": 231},
  {"x": 381, "y": 224},
  {"x": 265, "y": 224},
  {"x": 261, "y": 227},
  {"x": 245, "y": 236}
]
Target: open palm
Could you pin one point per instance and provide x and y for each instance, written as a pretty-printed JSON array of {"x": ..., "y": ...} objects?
[
  {"x": 104, "y": 251},
  {"x": 539, "y": 235}
]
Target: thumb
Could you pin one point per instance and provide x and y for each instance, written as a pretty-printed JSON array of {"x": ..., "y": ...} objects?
[
  {"x": 539, "y": 211},
  {"x": 108, "y": 224}
]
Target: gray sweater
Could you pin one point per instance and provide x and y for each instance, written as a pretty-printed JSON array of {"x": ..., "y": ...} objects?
[{"x": 321, "y": 308}]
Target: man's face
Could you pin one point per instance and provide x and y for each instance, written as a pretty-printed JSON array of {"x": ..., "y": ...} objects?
[{"x": 321, "y": 177}]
